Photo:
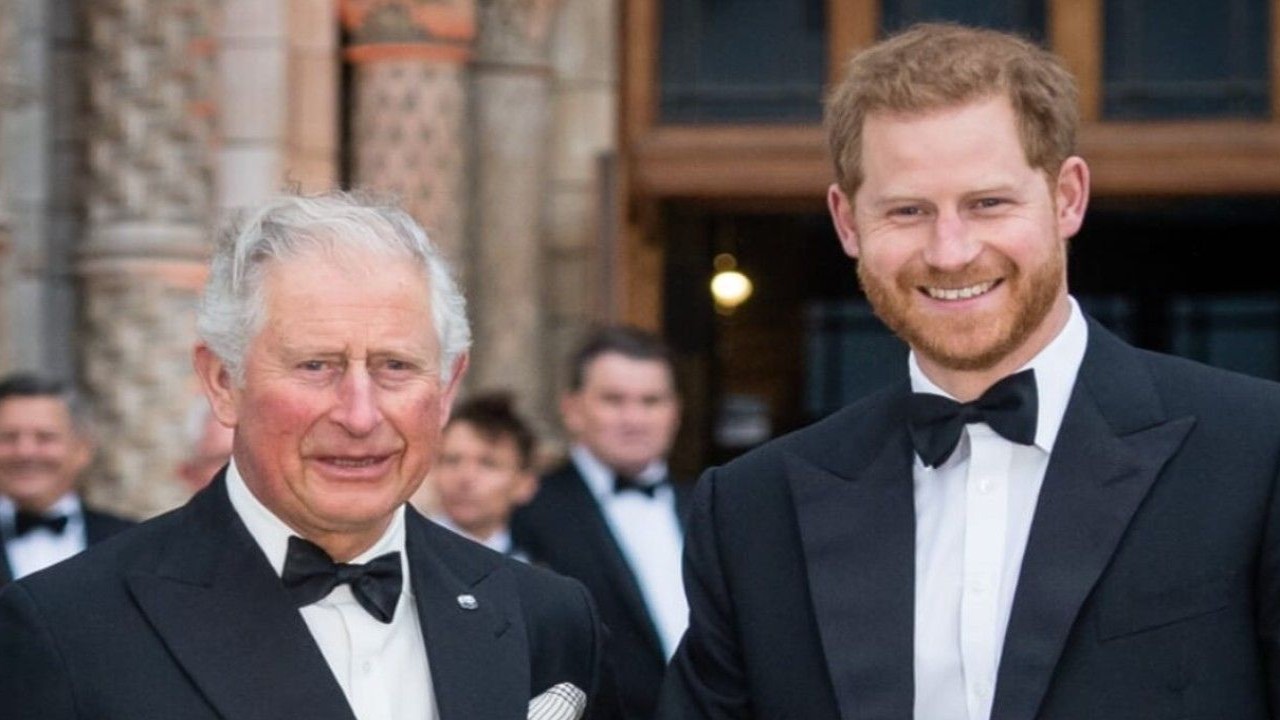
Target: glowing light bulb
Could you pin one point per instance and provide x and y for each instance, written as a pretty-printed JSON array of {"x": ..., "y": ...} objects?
[{"x": 729, "y": 287}]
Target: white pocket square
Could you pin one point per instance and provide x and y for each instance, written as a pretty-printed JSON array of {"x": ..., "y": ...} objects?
[{"x": 565, "y": 701}]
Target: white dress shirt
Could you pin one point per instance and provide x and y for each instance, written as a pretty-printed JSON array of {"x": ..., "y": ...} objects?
[
  {"x": 499, "y": 541},
  {"x": 648, "y": 532},
  {"x": 41, "y": 547},
  {"x": 973, "y": 517},
  {"x": 381, "y": 667}
]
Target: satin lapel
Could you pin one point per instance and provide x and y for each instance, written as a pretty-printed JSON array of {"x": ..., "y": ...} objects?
[
  {"x": 859, "y": 545},
  {"x": 683, "y": 492},
  {"x": 580, "y": 506},
  {"x": 99, "y": 527},
  {"x": 6, "y": 573},
  {"x": 475, "y": 635},
  {"x": 94, "y": 530},
  {"x": 218, "y": 606},
  {"x": 1095, "y": 481}
]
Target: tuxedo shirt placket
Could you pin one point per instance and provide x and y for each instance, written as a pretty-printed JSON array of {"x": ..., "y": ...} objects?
[
  {"x": 647, "y": 530},
  {"x": 973, "y": 519},
  {"x": 41, "y": 547},
  {"x": 368, "y": 657},
  {"x": 986, "y": 520},
  {"x": 382, "y": 668}
]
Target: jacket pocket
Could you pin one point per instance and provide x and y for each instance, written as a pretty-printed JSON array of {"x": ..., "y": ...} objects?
[{"x": 1142, "y": 610}]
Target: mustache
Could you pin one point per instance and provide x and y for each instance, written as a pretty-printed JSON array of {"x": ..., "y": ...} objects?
[{"x": 961, "y": 278}]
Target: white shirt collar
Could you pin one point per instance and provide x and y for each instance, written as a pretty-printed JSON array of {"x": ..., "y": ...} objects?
[
  {"x": 599, "y": 477},
  {"x": 498, "y": 542},
  {"x": 1056, "y": 367},
  {"x": 68, "y": 505},
  {"x": 272, "y": 534}
]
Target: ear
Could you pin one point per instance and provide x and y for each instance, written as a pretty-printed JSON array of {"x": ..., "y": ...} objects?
[
  {"x": 841, "y": 207},
  {"x": 1071, "y": 195},
  {"x": 451, "y": 392},
  {"x": 570, "y": 411},
  {"x": 526, "y": 487},
  {"x": 215, "y": 379},
  {"x": 82, "y": 449}
]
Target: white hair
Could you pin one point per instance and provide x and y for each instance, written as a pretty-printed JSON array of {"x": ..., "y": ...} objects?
[{"x": 232, "y": 309}]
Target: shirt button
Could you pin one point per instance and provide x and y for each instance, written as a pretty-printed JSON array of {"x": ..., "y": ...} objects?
[
  {"x": 982, "y": 690},
  {"x": 366, "y": 666}
]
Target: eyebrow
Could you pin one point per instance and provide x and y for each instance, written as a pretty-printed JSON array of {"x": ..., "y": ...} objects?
[{"x": 907, "y": 199}]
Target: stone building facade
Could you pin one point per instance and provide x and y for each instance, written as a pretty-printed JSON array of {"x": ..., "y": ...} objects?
[{"x": 129, "y": 128}]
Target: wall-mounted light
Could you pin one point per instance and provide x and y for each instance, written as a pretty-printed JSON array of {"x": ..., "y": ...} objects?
[{"x": 729, "y": 287}]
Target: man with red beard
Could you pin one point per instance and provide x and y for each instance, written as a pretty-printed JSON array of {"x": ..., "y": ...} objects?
[{"x": 1043, "y": 522}]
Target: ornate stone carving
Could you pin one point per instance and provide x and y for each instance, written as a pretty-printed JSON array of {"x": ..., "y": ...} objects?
[
  {"x": 138, "y": 366},
  {"x": 515, "y": 31},
  {"x": 411, "y": 105},
  {"x": 410, "y": 140},
  {"x": 150, "y": 198},
  {"x": 150, "y": 79},
  {"x": 426, "y": 29}
]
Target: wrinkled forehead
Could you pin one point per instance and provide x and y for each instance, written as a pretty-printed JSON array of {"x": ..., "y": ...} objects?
[{"x": 322, "y": 301}]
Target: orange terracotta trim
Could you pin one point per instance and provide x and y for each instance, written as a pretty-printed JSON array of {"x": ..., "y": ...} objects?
[
  {"x": 202, "y": 108},
  {"x": 382, "y": 52},
  {"x": 452, "y": 23},
  {"x": 203, "y": 46},
  {"x": 446, "y": 24}
]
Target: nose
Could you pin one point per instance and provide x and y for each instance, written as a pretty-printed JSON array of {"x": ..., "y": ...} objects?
[
  {"x": 952, "y": 244},
  {"x": 633, "y": 414},
  {"x": 357, "y": 409},
  {"x": 25, "y": 444}
]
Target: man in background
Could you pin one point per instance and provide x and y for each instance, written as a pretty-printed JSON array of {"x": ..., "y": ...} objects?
[
  {"x": 210, "y": 446},
  {"x": 610, "y": 516},
  {"x": 46, "y": 443},
  {"x": 484, "y": 472}
]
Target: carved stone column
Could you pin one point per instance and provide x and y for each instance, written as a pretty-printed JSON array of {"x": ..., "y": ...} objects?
[
  {"x": 511, "y": 101},
  {"x": 7, "y": 12},
  {"x": 409, "y": 123},
  {"x": 585, "y": 97},
  {"x": 150, "y": 198}
]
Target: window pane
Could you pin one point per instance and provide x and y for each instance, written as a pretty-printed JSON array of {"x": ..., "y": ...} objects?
[
  {"x": 742, "y": 60},
  {"x": 1167, "y": 59},
  {"x": 1025, "y": 17}
]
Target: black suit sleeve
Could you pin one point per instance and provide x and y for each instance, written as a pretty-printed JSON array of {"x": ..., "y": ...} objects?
[
  {"x": 706, "y": 679},
  {"x": 605, "y": 703},
  {"x": 1268, "y": 599},
  {"x": 34, "y": 684}
]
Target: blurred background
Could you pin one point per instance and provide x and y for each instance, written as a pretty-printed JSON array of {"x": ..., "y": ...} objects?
[{"x": 584, "y": 161}]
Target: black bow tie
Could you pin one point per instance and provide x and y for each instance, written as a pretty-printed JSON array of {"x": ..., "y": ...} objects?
[
  {"x": 24, "y": 522},
  {"x": 625, "y": 483},
  {"x": 1009, "y": 407},
  {"x": 310, "y": 574}
]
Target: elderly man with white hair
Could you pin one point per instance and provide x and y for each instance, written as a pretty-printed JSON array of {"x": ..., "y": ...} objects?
[{"x": 299, "y": 583}]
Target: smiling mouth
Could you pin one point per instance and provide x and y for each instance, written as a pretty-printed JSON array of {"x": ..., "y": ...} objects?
[
  {"x": 963, "y": 293},
  {"x": 355, "y": 463}
]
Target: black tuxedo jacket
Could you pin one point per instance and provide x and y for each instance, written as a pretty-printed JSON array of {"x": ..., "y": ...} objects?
[
  {"x": 183, "y": 617},
  {"x": 98, "y": 526},
  {"x": 565, "y": 529},
  {"x": 1150, "y": 586}
]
